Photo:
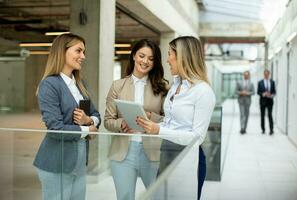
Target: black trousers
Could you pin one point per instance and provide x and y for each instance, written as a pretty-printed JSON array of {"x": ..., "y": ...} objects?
[
  {"x": 266, "y": 104},
  {"x": 170, "y": 150},
  {"x": 201, "y": 174}
]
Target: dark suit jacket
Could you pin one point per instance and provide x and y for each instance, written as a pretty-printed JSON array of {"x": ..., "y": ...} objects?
[
  {"x": 261, "y": 90},
  {"x": 57, "y": 104}
]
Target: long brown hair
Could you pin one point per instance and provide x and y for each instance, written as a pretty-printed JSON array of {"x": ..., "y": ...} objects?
[
  {"x": 156, "y": 74},
  {"x": 190, "y": 58},
  {"x": 56, "y": 59}
]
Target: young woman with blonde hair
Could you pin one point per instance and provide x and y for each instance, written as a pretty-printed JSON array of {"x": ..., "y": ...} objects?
[
  {"x": 188, "y": 106},
  {"x": 62, "y": 157}
]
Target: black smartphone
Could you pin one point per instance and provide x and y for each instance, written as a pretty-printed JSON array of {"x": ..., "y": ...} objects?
[{"x": 85, "y": 106}]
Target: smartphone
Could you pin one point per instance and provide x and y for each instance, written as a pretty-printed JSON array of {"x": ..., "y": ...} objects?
[{"x": 85, "y": 106}]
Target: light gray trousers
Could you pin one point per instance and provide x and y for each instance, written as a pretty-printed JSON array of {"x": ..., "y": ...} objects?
[
  {"x": 66, "y": 186},
  {"x": 125, "y": 173},
  {"x": 244, "y": 115}
]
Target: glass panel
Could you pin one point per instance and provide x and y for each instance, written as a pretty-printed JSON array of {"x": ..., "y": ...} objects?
[
  {"x": 179, "y": 180},
  {"x": 163, "y": 176},
  {"x": 212, "y": 146},
  {"x": 20, "y": 179}
]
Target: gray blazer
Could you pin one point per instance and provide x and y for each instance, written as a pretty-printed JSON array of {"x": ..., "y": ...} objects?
[
  {"x": 57, "y": 104},
  {"x": 250, "y": 89}
]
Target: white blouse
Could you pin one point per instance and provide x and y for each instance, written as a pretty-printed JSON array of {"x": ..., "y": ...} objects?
[
  {"x": 187, "y": 114},
  {"x": 139, "y": 85},
  {"x": 71, "y": 84}
]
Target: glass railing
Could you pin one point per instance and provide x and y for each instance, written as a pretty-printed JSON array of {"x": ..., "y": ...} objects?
[
  {"x": 212, "y": 146},
  {"x": 179, "y": 180},
  {"x": 53, "y": 163},
  {"x": 20, "y": 179}
]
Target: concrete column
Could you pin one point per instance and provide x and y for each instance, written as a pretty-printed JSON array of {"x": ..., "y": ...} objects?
[
  {"x": 164, "y": 46},
  {"x": 90, "y": 32},
  {"x": 99, "y": 33},
  {"x": 106, "y": 44},
  {"x": 106, "y": 66}
]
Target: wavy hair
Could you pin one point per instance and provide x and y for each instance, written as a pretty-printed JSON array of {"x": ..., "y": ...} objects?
[{"x": 156, "y": 74}]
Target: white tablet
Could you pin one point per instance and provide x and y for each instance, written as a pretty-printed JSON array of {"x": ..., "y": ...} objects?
[{"x": 130, "y": 110}]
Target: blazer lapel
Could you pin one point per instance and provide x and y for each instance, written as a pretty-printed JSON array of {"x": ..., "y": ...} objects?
[
  {"x": 146, "y": 94},
  {"x": 263, "y": 85},
  {"x": 66, "y": 89},
  {"x": 130, "y": 89}
]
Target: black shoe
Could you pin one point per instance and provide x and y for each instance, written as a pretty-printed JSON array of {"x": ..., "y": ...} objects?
[
  {"x": 242, "y": 131},
  {"x": 271, "y": 133},
  {"x": 263, "y": 132}
]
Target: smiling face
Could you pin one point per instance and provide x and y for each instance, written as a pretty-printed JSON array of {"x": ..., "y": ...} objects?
[
  {"x": 172, "y": 61},
  {"x": 143, "y": 62},
  {"x": 74, "y": 57}
]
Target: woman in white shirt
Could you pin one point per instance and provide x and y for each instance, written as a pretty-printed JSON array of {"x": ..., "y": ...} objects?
[{"x": 188, "y": 106}]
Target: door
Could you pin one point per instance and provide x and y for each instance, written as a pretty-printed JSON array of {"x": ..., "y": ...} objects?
[{"x": 292, "y": 94}]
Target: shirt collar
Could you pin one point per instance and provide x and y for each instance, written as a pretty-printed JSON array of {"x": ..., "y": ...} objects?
[
  {"x": 176, "y": 79},
  {"x": 143, "y": 79},
  {"x": 67, "y": 79},
  {"x": 185, "y": 82}
]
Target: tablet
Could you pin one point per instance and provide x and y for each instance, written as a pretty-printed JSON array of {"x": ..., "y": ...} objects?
[{"x": 130, "y": 110}]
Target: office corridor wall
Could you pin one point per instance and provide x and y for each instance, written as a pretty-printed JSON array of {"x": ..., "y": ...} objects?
[{"x": 282, "y": 44}]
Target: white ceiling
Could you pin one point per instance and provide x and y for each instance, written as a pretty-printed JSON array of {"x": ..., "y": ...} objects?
[{"x": 266, "y": 12}]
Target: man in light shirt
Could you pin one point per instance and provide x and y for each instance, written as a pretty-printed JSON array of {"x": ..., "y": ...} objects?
[
  {"x": 244, "y": 90},
  {"x": 266, "y": 91}
]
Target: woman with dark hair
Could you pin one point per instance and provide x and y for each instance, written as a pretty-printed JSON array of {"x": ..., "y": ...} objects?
[
  {"x": 144, "y": 84},
  {"x": 190, "y": 93}
]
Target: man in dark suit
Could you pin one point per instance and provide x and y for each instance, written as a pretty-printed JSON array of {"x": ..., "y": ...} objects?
[{"x": 266, "y": 91}]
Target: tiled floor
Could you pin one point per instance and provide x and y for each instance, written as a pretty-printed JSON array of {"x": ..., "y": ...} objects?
[{"x": 258, "y": 166}]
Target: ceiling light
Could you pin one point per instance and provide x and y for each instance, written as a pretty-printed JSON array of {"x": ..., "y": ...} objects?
[
  {"x": 122, "y": 45},
  {"x": 55, "y": 33},
  {"x": 39, "y": 52},
  {"x": 35, "y": 44},
  {"x": 122, "y": 52}
]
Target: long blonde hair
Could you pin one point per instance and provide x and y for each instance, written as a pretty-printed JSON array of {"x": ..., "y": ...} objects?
[
  {"x": 190, "y": 58},
  {"x": 56, "y": 59}
]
